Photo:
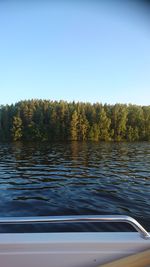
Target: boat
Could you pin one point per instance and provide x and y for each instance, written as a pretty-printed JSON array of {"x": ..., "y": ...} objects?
[{"x": 87, "y": 249}]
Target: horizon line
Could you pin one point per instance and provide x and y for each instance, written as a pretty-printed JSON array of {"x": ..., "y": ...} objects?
[{"x": 73, "y": 101}]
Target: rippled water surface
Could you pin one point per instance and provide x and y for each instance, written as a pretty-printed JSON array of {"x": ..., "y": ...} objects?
[{"x": 75, "y": 178}]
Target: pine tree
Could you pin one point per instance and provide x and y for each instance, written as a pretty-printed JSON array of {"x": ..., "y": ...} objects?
[
  {"x": 94, "y": 132},
  {"x": 17, "y": 128},
  {"x": 74, "y": 126},
  {"x": 119, "y": 121},
  {"x": 104, "y": 126},
  {"x": 83, "y": 126}
]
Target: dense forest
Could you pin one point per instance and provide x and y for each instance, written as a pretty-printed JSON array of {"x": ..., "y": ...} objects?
[{"x": 43, "y": 120}]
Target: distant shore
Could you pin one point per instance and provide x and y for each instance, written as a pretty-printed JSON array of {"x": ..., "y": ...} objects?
[{"x": 45, "y": 120}]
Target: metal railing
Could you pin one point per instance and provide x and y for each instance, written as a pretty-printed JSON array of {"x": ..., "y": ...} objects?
[{"x": 75, "y": 219}]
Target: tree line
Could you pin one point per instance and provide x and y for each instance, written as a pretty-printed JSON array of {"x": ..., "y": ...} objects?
[{"x": 44, "y": 120}]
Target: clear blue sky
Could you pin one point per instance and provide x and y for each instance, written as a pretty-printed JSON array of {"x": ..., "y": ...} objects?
[{"x": 73, "y": 50}]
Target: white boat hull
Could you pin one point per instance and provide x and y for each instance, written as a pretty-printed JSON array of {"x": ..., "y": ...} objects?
[{"x": 67, "y": 249}]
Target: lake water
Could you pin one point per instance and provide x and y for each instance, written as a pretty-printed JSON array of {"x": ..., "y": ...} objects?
[{"x": 75, "y": 178}]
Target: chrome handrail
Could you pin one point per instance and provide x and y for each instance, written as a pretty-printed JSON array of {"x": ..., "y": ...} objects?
[{"x": 77, "y": 218}]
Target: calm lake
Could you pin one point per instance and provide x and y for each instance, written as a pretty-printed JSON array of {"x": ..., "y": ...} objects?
[{"x": 75, "y": 178}]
